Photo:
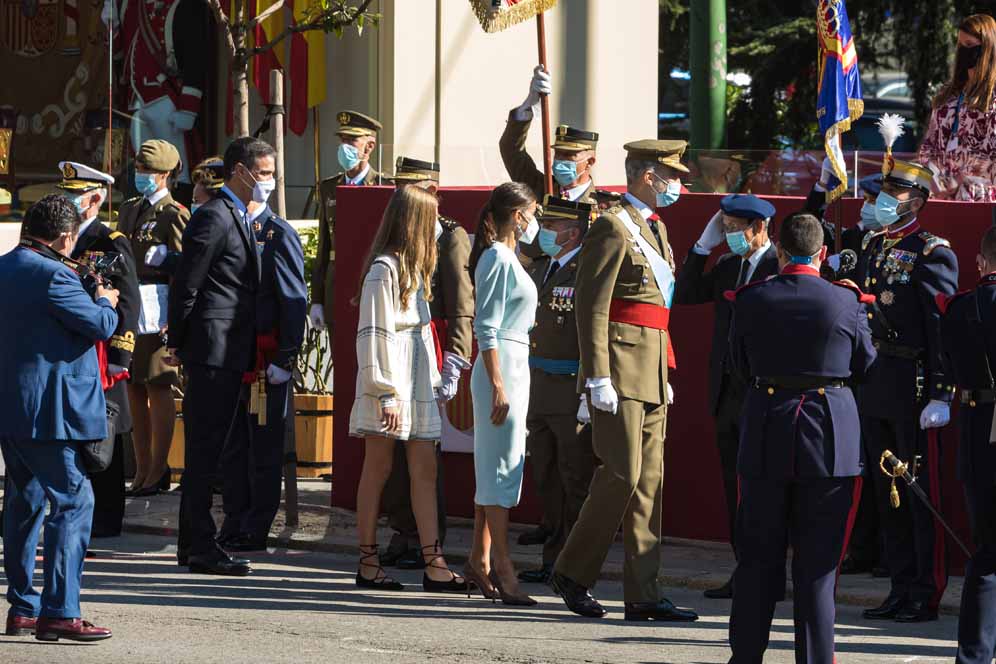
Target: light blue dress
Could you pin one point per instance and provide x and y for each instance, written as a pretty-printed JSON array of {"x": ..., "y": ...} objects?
[{"x": 504, "y": 313}]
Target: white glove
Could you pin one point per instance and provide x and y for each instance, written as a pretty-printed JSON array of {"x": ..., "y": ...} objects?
[
  {"x": 604, "y": 397},
  {"x": 453, "y": 367},
  {"x": 713, "y": 235},
  {"x": 540, "y": 85},
  {"x": 317, "y": 316},
  {"x": 834, "y": 262},
  {"x": 670, "y": 394},
  {"x": 182, "y": 120},
  {"x": 109, "y": 13},
  {"x": 277, "y": 376},
  {"x": 155, "y": 256},
  {"x": 584, "y": 416},
  {"x": 935, "y": 415}
]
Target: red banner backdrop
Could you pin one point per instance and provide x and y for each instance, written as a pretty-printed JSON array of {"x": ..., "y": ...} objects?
[{"x": 693, "y": 499}]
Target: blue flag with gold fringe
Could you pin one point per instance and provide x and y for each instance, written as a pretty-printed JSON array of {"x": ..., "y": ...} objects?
[{"x": 839, "y": 101}]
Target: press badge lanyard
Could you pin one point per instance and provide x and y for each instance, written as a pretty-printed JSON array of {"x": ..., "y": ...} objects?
[{"x": 953, "y": 143}]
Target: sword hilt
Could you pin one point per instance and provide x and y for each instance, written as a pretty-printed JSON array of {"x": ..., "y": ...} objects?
[{"x": 896, "y": 468}]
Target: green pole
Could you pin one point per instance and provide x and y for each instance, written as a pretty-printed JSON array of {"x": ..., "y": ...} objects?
[{"x": 707, "y": 59}]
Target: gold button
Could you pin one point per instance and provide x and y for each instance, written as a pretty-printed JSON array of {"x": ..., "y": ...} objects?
[
  {"x": 939, "y": 386},
  {"x": 972, "y": 403},
  {"x": 618, "y": 338},
  {"x": 771, "y": 390},
  {"x": 821, "y": 391},
  {"x": 874, "y": 280},
  {"x": 870, "y": 315}
]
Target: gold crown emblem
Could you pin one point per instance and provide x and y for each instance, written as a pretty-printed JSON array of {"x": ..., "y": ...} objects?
[
  {"x": 344, "y": 118},
  {"x": 562, "y": 130},
  {"x": 68, "y": 171}
]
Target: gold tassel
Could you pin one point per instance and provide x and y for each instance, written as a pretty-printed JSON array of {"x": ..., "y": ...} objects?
[
  {"x": 496, "y": 20},
  {"x": 894, "y": 495},
  {"x": 261, "y": 400},
  {"x": 254, "y": 398}
]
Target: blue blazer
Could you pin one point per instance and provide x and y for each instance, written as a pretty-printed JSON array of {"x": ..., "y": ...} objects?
[
  {"x": 49, "y": 379},
  {"x": 798, "y": 325},
  {"x": 282, "y": 299}
]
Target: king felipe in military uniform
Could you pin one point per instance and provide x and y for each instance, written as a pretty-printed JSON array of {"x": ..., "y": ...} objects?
[
  {"x": 88, "y": 189},
  {"x": 625, "y": 284},
  {"x": 358, "y": 135},
  {"x": 906, "y": 397},
  {"x": 452, "y": 310}
]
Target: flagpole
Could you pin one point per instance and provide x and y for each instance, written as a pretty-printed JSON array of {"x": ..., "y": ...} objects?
[
  {"x": 545, "y": 106},
  {"x": 108, "y": 141}
]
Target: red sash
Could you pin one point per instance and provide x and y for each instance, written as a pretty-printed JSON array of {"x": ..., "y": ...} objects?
[
  {"x": 440, "y": 328},
  {"x": 266, "y": 346},
  {"x": 644, "y": 315}
]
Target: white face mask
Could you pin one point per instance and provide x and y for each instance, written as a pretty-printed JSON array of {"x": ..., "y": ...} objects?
[
  {"x": 439, "y": 229},
  {"x": 261, "y": 189},
  {"x": 532, "y": 229}
]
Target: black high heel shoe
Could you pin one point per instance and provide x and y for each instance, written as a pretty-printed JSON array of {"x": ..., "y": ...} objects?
[
  {"x": 162, "y": 484},
  {"x": 430, "y": 586},
  {"x": 381, "y": 581}
]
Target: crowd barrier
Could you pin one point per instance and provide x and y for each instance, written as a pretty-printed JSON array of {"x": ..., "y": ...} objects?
[{"x": 693, "y": 493}]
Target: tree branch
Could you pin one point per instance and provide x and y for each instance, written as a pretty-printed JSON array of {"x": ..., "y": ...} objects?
[
  {"x": 223, "y": 25},
  {"x": 316, "y": 23}
]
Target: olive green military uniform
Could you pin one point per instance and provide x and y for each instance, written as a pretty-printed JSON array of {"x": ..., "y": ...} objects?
[
  {"x": 614, "y": 273},
  {"x": 145, "y": 226},
  {"x": 562, "y": 462}
]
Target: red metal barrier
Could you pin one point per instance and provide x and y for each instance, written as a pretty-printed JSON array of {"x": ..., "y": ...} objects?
[{"x": 693, "y": 500}]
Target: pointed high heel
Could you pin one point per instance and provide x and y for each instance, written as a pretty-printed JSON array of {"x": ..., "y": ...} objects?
[
  {"x": 476, "y": 579},
  {"x": 510, "y": 599},
  {"x": 381, "y": 581},
  {"x": 431, "y": 586}
]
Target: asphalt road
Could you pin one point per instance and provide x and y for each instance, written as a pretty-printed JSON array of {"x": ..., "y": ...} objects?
[{"x": 303, "y": 607}]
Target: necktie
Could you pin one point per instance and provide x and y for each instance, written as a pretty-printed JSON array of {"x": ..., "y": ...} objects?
[
  {"x": 554, "y": 266},
  {"x": 143, "y": 206},
  {"x": 744, "y": 268},
  {"x": 652, "y": 221}
]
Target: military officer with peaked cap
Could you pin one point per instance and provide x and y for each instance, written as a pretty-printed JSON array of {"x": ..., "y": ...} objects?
[
  {"x": 906, "y": 397},
  {"x": 358, "y": 137},
  {"x": 625, "y": 285},
  {"x": 452, "y": 310},
  {"x": 88, "y": 189}
]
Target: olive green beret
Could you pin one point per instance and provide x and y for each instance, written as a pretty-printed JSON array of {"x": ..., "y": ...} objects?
[{"x": 158, "y": 155}]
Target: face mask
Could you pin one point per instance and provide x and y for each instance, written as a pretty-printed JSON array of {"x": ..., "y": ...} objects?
[
  {"x": 968, "y": 57},
  {"x": 869, "y": 221},
  {"x": 145, "y": 183},
  {"x": 887, "y": 209},
  {"x": 349, "y": 157},
  {"x": 548, "y": 242},
  {"x": 737, "y": 242},
  {"x": 528, "y": 235},
  {"x": 439, "y": 229},
  {"x": 261, "y": 189},
  {"x": 194, "y": 207},
  {"x": 564, "y": 172},
  {"x": 670, "y": 195},
  {"x": 79, "y": 204}
]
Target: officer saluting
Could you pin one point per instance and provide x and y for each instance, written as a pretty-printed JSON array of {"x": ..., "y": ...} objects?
[
  {"x": 88, "y": 189},
  {"x": 562, "y": 461},
  {"x": 968, "y": 335},
  {"x": 358, "y": 136},
  {"x": 625, "y": 283},
  {"x": 907, "y": 395},
  {"x": 797, "y": 340},
  {"x": 452, "y": 310}
]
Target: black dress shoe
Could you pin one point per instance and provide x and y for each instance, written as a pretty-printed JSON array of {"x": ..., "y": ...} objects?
[
  {"x": 662, "y": 611},
  {"x": 220, "y": 563},
  {"x": 535, "y": 537},
  {"x": 541, "y": 575},
  {"x": 725, "y": 591},
  {"x": 410, "y": 559},
  {"x": 913, "y": 612},
  {"x": 245, "y": 544},
  {"x": 852, "y": 565},
  {"x": 888, "y": 610},
  {"x": 576, "y": 597},
  {"x": 183, "y": 559}
]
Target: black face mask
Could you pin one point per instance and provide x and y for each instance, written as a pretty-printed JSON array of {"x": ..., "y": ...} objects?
[{"x": 968, "y": 57}]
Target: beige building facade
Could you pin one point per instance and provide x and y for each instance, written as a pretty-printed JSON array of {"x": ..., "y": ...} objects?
[{"x": 443, "y": 87}]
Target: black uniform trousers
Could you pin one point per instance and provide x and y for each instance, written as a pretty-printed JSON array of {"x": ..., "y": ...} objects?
[
  {"x": 915, "y": 548},
  {"x": 109, "y": 484},
  {"x": 977, "y": 617},
  {"x": 210, "y": 419},
  {"x": 728, "y": 410},
  {"x": 811, "y": 515},
  {"x": 396, "y": 502},
  {"x": 252, "y": 473},
  {"x": 866, "y": 537}
]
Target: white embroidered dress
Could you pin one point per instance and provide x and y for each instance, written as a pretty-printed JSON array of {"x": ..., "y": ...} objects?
[{"x": 396, "y": 358}]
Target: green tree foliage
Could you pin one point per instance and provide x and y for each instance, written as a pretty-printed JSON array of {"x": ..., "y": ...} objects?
[{"x": 775, "y": 42}]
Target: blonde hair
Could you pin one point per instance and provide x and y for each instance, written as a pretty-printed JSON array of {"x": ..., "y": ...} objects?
[
  {"x": 980, "y": 86},
  {"x": 408, "y": 231}
]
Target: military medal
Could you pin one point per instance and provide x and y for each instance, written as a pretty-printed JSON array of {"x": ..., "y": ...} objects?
[
  {"x": 269, "y": 234},
  {"x": 887, "y": 298},
  {"x": 256, "y": 227}
]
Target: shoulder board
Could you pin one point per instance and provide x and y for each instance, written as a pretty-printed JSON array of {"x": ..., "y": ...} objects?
[
  {"x": 863, "y": 297},
  {"x": 337, "y": 176},
  {"x": 173, "y": 205},
  {"x": 866, "y": 240},
  {"x": 932, "y": 242},
  {"x": 732, "y": 295},
  {"x": 133, "y": 199},
  {"x": 447, "y": 223},
  {"x": 944, "y": 301},
  {"x": 117, "y": 234}
]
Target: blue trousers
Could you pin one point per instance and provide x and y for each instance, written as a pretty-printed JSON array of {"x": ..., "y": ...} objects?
[{"x": 41, "y": 471}]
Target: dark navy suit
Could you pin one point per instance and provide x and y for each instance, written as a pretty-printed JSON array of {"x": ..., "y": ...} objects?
[
  {"x": 252, "y": 481},
  {"x": 968, "y": 336},
  {"x": 51, "y": 399},
  {"x": 906, "y": 273},
  {"x": 800, "y": 453}
]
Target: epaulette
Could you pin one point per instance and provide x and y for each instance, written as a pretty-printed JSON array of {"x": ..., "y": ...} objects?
[
  {"x": 863, "y": 297},
  {"x": 866, "y": 240},
  {"x": 114, "y": 235},
  {"x": 731, "y": 295},
  {"x": 448, "y": 224},
  {"x": 176, "y": 206},
  {"x": 944, "y": 301},
  {"x": 932, "y": 242}
]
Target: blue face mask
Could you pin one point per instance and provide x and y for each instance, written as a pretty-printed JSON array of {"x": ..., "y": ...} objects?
[
  {"x": 738, "y": 243},
  {"x": 564, "y": 172},
  {"x": 670, "y": 195},
  {"x": 548, "y": 242},
  {"x": 349, "y": 157},
  {"x": 145, "y": 183},
  {"x": 194, "y": 207},
  {"x": 868, "y": 219},
  {"x": 887, "y": 209},
  {"x": 77, "y": 202}
]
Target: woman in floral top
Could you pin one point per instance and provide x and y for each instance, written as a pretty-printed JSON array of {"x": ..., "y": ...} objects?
[{"x": 960, "y": 146}]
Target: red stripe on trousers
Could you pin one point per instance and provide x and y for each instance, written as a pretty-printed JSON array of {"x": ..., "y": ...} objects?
[
  {"x": 940, "y": 578},
  {"x": 852, "y": 516}
]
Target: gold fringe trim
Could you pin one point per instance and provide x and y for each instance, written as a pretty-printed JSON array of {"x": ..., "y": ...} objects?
[
  {"x": 855, "y": 109},
  {"x": 496, "y": 20}
]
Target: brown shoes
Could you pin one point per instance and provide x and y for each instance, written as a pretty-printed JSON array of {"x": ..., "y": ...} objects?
[
  {"x": 20, "y": 625},
  {"x": 53, "y": 629}
]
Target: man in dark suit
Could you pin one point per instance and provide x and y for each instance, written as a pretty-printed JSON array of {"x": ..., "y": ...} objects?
[
  {"x": 87, "y": 189},
  {"x": 798, "y": 341},
  {"x": 252, "y": 481},
  {"x": 742, "y": 222},
  {"x": 212, "y": 329},
  {"x": 51, "y": 400}
]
